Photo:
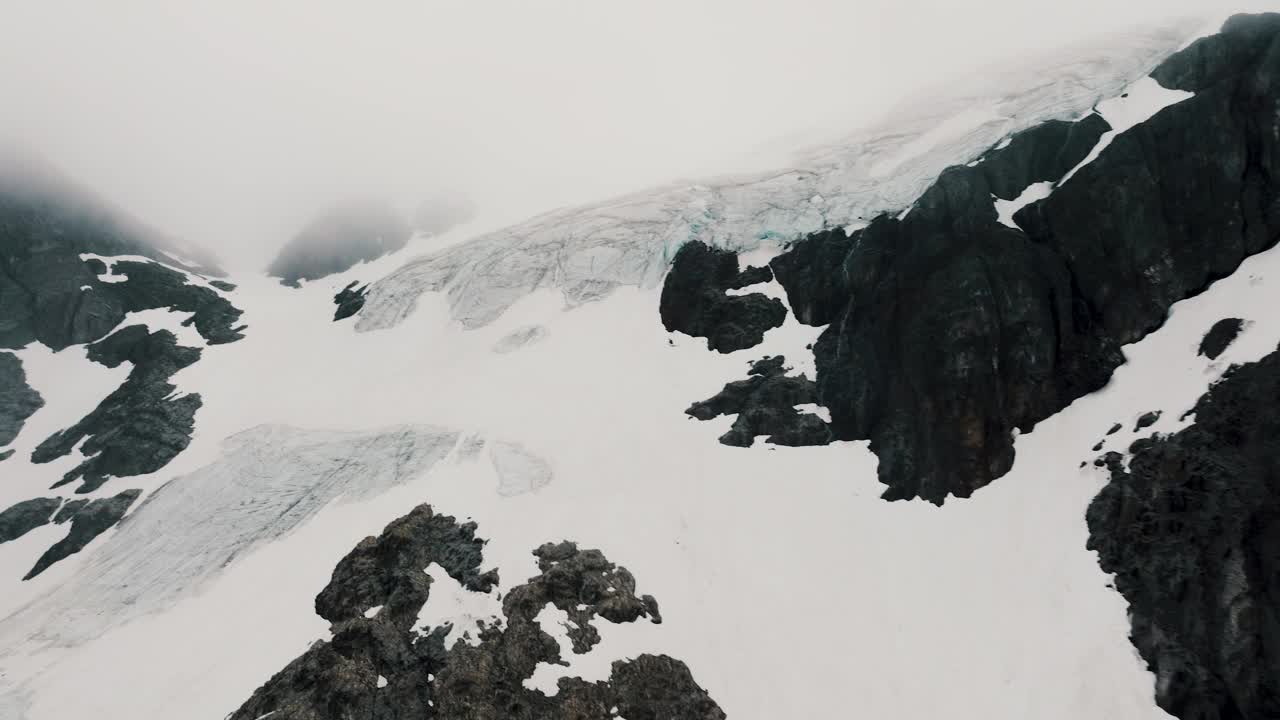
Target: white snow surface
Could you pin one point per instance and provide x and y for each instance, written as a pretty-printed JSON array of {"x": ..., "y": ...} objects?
[
  {"x": 786, "y": 584},
  {"x": 1006, "y": 208}
]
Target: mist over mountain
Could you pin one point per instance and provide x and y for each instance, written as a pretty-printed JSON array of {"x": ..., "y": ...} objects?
[{"x": 967, "y": 409}]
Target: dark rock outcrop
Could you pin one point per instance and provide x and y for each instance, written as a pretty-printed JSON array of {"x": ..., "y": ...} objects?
[
  {"x": 48, "y": 294},
  {"x": 1147, "y": 419},
  {"x": 765, "y": 404},
  {"x": 1220, "y": 336},
  {"x": 22, "y": 518},
  {"x": 948, "y": 330},
  {"x": 380, "y": 667},
  {"x": 695, "y": 303},
  {"x": 88, "y": 519},
  {"x": 349, "y": 300},
  {"x": 18, "y": 400},
  {"x": 339, "y": 239},
  {"x": 1191, "y": 530},
  {"x": 139, "y": 427}
]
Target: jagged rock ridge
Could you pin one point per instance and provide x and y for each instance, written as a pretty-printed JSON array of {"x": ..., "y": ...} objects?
[
  {"x": 765, "y": 404},
  {"x": 950, "y": 329},
  {"x": 88, "y": 518},
  {"x": 378, "y": 666},
  {"x": 1191, "y": 530},
  {"x": 141, "y": 425}
]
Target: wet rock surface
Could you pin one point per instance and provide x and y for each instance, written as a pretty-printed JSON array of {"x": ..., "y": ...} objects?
[
  {"x": 1220, "y": 336},
  {"x": 88, "y": 518},
  {"x": 695, "y": 303},
  {"x": 18, "y": 400},
  {"x": 1191, "y": 529},
  {"x": 349, "y": 300},
  {"x": 338, "y": 239},
  {"x": 380, "y": 667},
  {"x": 765, "y": 405},
  {"x": 948, "y": 329},
  {"x": 140, "y": 426}
]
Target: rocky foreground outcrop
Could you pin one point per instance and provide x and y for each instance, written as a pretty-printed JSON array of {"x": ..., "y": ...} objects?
[
  {"x": 381, "y": 664},
  {"x": 1191, "y": 530},
  {"x": 338, "y": 239},
  {"x": 952, "y": 326},
  {"x": 765, "y": 404}
]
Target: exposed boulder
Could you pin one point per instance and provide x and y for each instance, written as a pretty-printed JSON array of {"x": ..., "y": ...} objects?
[
  {"x": 349, "y": 300},
  {"x": 378, "y": 666},
  {"x": 765, "y": 405},
  {"x": 140, "y": 426},
  {"x": 18, "y": 400},
  {"x": 1220, "y": 336},
  {"x": 695, "y": 303},
  {"x": 338, "y": 239},
  {"x": 1191, "y": 530}
]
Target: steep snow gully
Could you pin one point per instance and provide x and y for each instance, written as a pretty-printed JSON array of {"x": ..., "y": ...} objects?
[{"x": 1039, "y": 320}]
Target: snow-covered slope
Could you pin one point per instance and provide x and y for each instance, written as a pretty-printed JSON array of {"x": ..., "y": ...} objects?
[{"x": 787, "y": 586}]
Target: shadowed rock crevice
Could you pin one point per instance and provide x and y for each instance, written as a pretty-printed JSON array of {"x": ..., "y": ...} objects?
[
  {"x": 379, "y": 666},
  {"x": 695, "y": 303},
  {"x": 141, "y": 425},
  {"x": 948, "y": 330},
  {"x": 1191, "y": 530},
  {"x": 765, "y": 405},
  {"x": 18, "y": 400}
]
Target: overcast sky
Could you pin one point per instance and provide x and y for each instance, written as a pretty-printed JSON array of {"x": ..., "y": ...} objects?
[{"x": 230, "y": 122}]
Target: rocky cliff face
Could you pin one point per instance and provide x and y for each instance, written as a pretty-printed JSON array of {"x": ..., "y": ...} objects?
[
  {"x": 967, "y": 318},
  {"x": 18, "y": 400},
  {"x": 1191, "y": 529},
  {"x": 339, "y": 239},
  {"x": 382, "y": 664}
]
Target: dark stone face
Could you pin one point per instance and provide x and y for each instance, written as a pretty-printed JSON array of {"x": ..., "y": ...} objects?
[
  {"x": 695, "y": 303},
  {"x": 138, "y": 428},
  {"x": 947, "y": 330},
  {"x": 349, "y": 300},
  {"x": 424, "y": 678},
  {"x": 1220, "y": 336},
  {"x": 765, "y": 405},
  {"x": 338, "y": 240},
  {"x": 1191, "y": 529},
  {"x": 18, "y": 400},
  {"x": 88, "y": 519},
  {"x": 48, "y": 294}
]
